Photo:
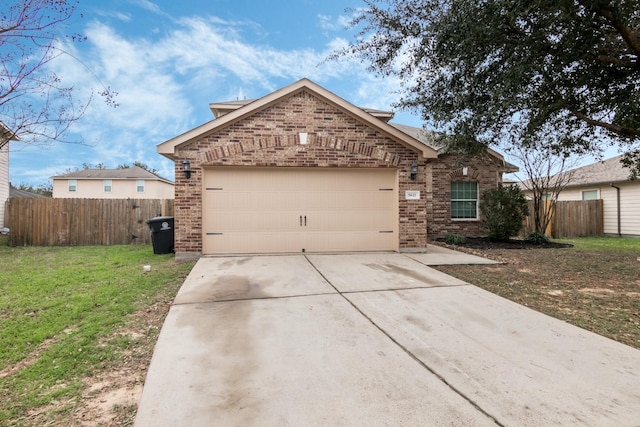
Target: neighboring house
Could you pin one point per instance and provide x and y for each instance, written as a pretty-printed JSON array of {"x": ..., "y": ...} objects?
[
  {"x": 16, "y": 193},
  {"x": 5, "y": 137},
  {"x": 608, "y": 180},
  {"x": 303, "y": 170},
  {"x": 128, "y": 183}
]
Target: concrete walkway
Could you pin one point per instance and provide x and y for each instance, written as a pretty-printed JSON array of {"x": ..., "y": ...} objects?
[{"x": 375, "y": 340}]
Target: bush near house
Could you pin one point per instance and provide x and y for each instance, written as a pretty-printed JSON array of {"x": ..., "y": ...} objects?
[{"x": 504, "y": 210}]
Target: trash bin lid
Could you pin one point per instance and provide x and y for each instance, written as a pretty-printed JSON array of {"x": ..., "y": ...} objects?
[{"x": 160, "y": 219}]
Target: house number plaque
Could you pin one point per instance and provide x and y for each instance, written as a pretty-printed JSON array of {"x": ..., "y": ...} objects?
[{"x": 412, "y": 195}]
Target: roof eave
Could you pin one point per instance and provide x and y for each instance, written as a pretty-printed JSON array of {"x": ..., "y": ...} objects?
[{"x": 168, "y": 147}]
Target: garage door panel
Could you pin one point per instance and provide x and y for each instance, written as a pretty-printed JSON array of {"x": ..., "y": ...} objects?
[
  {"x": 346, "y": 221},
  {"x": 237, "y": 200},
  {"x": 358, "y": 241},
  {"x": 250, "y": 222},
  {"x": 344, "y": 200},
  {"x": 254, "y": 242},
  {"x": 270, "y": 210}
]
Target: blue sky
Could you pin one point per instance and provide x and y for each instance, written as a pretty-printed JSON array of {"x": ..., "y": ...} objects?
[{"x": 168, "y": 60}]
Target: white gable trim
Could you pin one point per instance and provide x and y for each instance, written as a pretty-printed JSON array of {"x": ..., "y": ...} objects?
[{"x": 168, "y": 148}]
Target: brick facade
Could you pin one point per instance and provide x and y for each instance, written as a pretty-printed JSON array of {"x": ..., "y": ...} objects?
[
  {"x": 486, "y": 170},
  {"x": 270, "y": 138}
]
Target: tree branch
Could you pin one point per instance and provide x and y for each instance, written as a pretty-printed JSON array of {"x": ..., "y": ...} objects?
[
  {"x": 621, "y": 130},
  {"x": 629, "y": 35},
  {"x": 617, "y": 61}
]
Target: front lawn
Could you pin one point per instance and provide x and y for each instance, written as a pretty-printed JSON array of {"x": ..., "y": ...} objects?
[
  {"x": 69, "y": 313},
  {"x": 595, "y": 284}
]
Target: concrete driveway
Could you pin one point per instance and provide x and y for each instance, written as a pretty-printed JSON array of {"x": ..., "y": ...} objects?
[{"x": 374, "y": 340}]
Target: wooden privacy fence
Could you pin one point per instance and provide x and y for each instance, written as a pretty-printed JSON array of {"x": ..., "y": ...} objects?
[
  {"x": 574, "y": 218},
  {"x": 78, "y": 222}
]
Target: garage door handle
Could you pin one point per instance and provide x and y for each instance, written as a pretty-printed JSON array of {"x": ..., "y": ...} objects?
[
  {"x": 305, "y": 220},
  {"x": 300, "y": 220}
]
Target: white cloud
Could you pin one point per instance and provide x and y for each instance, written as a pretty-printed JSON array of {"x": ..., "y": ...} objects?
[
  {"x": 329, "y": 24},
  {"x": 165, "y": 84},
  {"x": 150, "y": 6}
]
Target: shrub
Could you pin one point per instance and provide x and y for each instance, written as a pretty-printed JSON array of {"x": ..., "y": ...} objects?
[
  {"x": 454, "y": 239},
  {"x": 536, "y": 238},
  {"x": 503, "y": 212}
]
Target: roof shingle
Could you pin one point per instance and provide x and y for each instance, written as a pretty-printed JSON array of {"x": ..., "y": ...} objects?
[
  {"x": 134, "y": 172},
  {"x": 602, "y": 172}
]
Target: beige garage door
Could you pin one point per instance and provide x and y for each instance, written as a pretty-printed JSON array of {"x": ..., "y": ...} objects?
[{"x": 275, "y": 210}]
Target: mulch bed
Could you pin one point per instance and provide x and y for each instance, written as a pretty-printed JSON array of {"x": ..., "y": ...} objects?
[{"x": 485, "y": 243}]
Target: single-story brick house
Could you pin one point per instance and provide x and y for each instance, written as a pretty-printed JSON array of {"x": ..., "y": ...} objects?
[{"x": 303, "y": 170}]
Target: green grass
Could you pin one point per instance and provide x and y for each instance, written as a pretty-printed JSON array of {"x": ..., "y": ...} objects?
[
  {"x": 616, "y": 244},
  {"x": 57, "y": 306}
]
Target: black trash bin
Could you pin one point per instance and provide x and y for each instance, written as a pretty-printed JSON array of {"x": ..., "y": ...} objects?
[{"x": 161, "y": 234}]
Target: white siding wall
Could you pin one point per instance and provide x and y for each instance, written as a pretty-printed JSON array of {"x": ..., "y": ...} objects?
[
  {"x": 121, "y": 189},
  {"x": 4, "y": 180},
  {"x": 629, "y": 206}
]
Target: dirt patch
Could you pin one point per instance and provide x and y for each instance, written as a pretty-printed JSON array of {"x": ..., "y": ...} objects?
[
  {"x": 112, "y": 396},
  {"x": 597, "y": 291}
]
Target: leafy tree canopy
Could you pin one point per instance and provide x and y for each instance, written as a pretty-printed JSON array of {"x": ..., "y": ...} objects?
[{"x": 562, "y": 73}]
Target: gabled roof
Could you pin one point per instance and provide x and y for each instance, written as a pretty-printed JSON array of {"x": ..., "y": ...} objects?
[
  {"x": 236, "y": 112},
  {"x": 135, "y": 172},
  {"x": 603, "y": 172},
  {"x": 429, "y": 138}
]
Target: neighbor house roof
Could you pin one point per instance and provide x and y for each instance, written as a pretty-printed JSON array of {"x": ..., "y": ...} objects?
[
  {"x": 17, "y": 193},
  {"x": 602, "y": 172},
  {"x": 233, "y": 111},
  {"x": 609, "y": 171},
  {"x": 135, "y": 172}
]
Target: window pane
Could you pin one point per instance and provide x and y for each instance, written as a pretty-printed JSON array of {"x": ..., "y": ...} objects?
[
  {"x": 140, "y": 186},
  {"x": 465, "y": 210},
  {"x": 464, "y": 200},
  {"x": 107, "y": 186},
  {"x": 590, "y": 195},
  {"x": 73, "y": 185}
]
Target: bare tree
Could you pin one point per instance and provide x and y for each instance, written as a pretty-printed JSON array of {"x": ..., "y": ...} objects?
[
  {"x": 545, "y": 174},
  {"x": 35, "y": 103}
]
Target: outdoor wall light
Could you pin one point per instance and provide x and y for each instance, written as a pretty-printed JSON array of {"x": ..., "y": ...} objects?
[
  {"x": 414, "y": 171},
  {"x": 186, "y": 168}
]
